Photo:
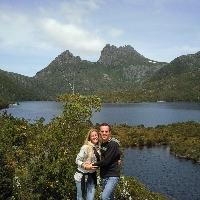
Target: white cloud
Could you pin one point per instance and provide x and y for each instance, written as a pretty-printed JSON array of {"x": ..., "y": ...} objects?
[
  {"x": 19, "y": 32},
  {"x": 61, "y": 27},
  {"x": 114, "y": 32},
  {"x": 57, "y": 27},
  {"x": 71, "y": 11},
  {"x": 12, "y": 28},
  {"x": 70, "y": 36}
]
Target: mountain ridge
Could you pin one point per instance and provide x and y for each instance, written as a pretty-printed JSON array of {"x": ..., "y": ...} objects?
[{"x": 118, "y": 69}]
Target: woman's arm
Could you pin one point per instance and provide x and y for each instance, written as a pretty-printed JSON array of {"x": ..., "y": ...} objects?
[{"x": 80, "y": 158}]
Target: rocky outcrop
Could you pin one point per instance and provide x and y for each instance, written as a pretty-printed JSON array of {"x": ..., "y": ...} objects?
[
  {"x": 140, "y": 72},
  {"x": 62, "y": 61},
  {"x": 113, "y": 56}
]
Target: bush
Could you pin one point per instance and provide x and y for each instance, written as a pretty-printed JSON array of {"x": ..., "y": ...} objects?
[{"x": 38, "y": 161}]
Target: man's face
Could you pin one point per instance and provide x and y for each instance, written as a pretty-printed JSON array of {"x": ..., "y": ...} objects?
[{"x": 105, "y": 133}]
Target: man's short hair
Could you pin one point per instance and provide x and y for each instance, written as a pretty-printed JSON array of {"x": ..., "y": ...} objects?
[{"x": 105, "y": 124}]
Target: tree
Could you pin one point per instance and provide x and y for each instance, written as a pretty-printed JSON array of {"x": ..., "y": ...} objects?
[{"x": 49, "y": 173}]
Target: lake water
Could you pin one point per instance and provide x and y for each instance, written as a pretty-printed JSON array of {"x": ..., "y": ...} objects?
[
  {"x": 148, "y": 114},
  {"x": 163, "y": 172},
  {"x": 155, "y": 167},
  {"x": 34, "y": 110}
]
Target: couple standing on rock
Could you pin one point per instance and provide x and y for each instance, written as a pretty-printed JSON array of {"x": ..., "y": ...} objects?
[{"x": 99, "y": 150}]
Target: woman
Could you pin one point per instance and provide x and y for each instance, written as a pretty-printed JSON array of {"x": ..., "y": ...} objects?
[{"x": 85, "y": 177}]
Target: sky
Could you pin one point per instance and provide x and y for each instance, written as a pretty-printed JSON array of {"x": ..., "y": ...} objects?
[{"x": 34, "y": 33}]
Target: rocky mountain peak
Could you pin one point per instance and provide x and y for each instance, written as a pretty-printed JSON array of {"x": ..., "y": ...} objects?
[
  {"x": 112, "y": 55},
  {"x": 68, "y": 57},
  {"x": 60, "y": 63}
]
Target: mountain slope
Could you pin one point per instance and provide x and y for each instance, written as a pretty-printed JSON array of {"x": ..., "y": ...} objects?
[
  {"x": 179, "y": 80},
  {"x": 120, "y": 74},
  {"x": 116, "y": 69},
  {"x": 131, "y": 64},
  {"x": 16, "y": 87},
  {"x": 179, "y": 66}
]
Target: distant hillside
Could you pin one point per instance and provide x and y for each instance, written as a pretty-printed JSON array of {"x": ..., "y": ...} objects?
[
  {"x": 179, "y": 66},
  {"x": 12, "y": 85},
  {"x": 120, "y": 75},
  {"x": 16, "y": 87},
  {"x": 116, "y": 69},
  {"x": 177, "y": 81}
]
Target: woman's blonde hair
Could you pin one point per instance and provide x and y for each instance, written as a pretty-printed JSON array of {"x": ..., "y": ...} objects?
[
  {"x": 87, "y": 138},
  {"x": 87, "y": 142}
]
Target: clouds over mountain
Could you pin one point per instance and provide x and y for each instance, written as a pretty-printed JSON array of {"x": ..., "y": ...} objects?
[{"x": 61, "y": 26}]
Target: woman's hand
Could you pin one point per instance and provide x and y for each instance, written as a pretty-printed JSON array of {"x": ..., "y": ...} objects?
[
  {"x": 85, "y": 164},
  {"x": 89, "y": 166}
]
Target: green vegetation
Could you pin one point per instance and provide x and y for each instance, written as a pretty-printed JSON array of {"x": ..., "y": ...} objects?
[
  {"x": 131, "y": 189},
  {"x": 182, "y": 138},
  {"x": 37, "y": 161},
  {"x": 16, "y": 87},
  {"x": 3, "y": 104}
]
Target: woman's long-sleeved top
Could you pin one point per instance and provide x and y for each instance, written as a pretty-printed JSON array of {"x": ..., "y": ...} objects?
[{"x": 83, "y": 156}]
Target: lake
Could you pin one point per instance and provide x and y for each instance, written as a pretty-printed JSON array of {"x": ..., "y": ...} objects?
[
  {"x": 148, "y": 114},
  {"x": 34, "y": 110},
  {"x": 155, "y": 167},
  {"x": 163, "y": 172}
]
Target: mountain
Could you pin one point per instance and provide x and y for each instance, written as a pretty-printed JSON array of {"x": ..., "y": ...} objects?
[
  {"x": 67, "y": 70},
  {"x": 122, "y": 56},
  {"x": 15, "y": 87},
  {"x": 116, "y": 69},
  {"x": 120, "y": 74},
  {"x": 179, "y": 80},
  {"x": 131, "y": 64},
  {"x": 179, "y": 66}
]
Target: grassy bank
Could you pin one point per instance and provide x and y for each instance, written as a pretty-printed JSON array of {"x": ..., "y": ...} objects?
[
  {"x": 3, "y": 104},
  {"x": 182, "y": 138}
]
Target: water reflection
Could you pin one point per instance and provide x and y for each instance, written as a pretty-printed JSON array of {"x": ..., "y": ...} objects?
[{"x": 162, "y": 172}]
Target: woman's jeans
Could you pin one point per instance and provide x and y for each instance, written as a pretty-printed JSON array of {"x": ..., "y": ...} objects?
[
  {"x": 90, "y": 188},
  {"x": 108, "y": 186}
]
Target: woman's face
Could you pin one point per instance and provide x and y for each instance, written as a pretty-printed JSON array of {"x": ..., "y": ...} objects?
[{"x": 94, "y": 138}]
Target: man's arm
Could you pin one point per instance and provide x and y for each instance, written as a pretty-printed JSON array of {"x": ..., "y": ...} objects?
[{"x": 111, "y": 155}]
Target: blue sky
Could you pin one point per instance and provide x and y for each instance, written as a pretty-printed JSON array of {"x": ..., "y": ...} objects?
[{"x": 33, "y": 33}]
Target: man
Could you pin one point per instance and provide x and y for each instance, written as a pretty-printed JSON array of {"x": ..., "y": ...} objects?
[{"x": 109, "y": 163}]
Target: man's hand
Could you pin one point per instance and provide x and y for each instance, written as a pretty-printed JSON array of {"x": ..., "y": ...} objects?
[{"x": 120, "y": 163}]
